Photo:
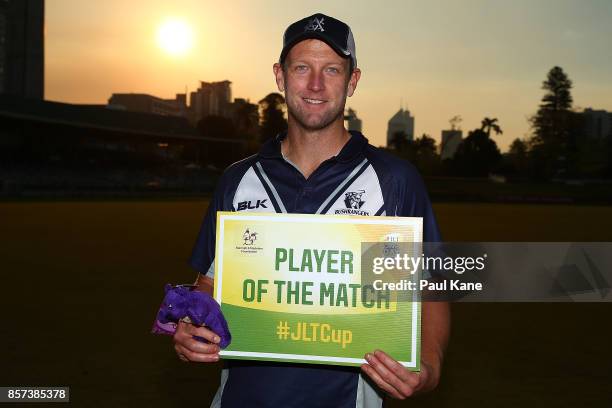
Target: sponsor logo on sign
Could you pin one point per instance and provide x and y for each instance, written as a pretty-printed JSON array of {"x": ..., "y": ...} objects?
[
  {"x": 248, "y": 242},
  {"x": 249, "y": 237}
]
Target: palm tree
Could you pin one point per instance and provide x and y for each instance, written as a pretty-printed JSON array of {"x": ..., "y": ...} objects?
[{"x": 489, "y": 124}]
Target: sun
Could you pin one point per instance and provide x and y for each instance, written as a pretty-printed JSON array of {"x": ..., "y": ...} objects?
[{"x": 175, "y": 37}]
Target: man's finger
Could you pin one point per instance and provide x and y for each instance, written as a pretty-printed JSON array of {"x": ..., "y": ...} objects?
[
  {"x": 183, "y": 328},
  {"x": 399, "y": 370},
  {"x": 187, "y": 329},
  {"x": 184, "y": 338},
  {"x": 197, "y": 346},
  {"x": 201, "y": 358},
  {"x": 205, "y": 333},
  {"x": 382, "y": 384},
  {"x": 195, "y": 356},
  {"x": 389, "y": 376}
]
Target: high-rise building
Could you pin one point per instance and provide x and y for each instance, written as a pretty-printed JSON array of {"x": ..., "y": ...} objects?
[
  {"x": 451, "y": 139},
  {"x": 402, "y": 122},
  {"x": 353, "y": 122},
  {"x": 212, "y": 98},
  {"x": 597, "y": 123},
  {"x": 22, "y": 65}
]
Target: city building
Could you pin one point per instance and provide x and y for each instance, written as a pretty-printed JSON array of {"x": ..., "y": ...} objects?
[
  {"x": 451, "y": 139},
  {"x": 353, "y": 122},
  {"x": 597, "y": 123},
  {"x": 22, "y": 65},
  {"x": 401, "y": 122},
  {"x": 212, "y": 98},
  {"x": 144, "y": 103}
]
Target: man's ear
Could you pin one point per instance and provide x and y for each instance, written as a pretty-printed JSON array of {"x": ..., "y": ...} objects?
[
  {"x": 352, "y": 84},
  {"x": 279, "y": 75}
]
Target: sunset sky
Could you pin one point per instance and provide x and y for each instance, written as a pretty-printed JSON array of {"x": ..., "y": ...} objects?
[{"x": 441, "y": 58}]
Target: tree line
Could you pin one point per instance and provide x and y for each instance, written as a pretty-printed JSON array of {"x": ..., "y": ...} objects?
[
  {"x": 251, "y": 123},
  {"x": 557, "y": 147}
]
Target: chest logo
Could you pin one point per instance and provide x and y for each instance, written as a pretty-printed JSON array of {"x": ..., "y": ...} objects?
[
  {"x": 248, "y": 205},
  {"x": 352, "y": 199}
]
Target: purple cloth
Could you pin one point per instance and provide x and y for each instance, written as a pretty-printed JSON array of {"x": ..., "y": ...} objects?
[{"x": 182, "y": 301}]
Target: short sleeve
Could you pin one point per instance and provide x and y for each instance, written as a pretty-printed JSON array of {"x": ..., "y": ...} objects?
[{"x": 203, "y": 253}]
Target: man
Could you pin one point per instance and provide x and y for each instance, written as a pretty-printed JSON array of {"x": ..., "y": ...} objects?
[{"x": 317, "y": 167}]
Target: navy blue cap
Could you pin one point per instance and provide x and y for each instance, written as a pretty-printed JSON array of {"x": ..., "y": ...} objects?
[{"x": 334, "y": 32}]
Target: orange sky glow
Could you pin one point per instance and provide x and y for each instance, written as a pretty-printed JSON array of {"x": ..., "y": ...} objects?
[{"x": 439, "y": 59}]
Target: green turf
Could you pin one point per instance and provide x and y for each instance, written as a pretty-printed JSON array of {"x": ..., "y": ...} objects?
[{"x": 82, "y": 282}]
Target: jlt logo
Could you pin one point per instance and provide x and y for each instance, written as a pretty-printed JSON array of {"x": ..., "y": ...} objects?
[
  {"x": 248, "y": 205},
  {"x": 315, "y": 25}
]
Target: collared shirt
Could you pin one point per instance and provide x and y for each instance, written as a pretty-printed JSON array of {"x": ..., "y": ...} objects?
[{"x": 359, "y": 180}]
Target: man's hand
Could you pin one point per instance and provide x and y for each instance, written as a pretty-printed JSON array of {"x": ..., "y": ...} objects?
[
  {"x": 190, "y": 349},
  {"x": 395, "y": 379}
]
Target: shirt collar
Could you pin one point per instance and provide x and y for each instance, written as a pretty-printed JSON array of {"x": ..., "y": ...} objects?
[{"x": 271, "y": 149}]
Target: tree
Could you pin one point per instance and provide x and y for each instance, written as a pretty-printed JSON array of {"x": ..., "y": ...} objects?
[
  {"x": 399, "y": 141},
  {"x": 517, "y": 157},
  {"x": 422, "y": 152},
  {"x": 489, "y": 124},
  {"x": 558, "y": 91},
  {"x": 553, "y": 142},
  {"x": 518, "y": 148},
  {"x": 246, "y": 117},
  {"x": 477, "y": 155},
  {"x": 272, "y": 109},
  {"x": 426, "y": 145},
  {"x": 216, "y": 127},
  {"x": 427, "y": 159}
]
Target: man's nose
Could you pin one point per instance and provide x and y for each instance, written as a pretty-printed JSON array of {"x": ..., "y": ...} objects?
[{"x": 316, "y": 81}]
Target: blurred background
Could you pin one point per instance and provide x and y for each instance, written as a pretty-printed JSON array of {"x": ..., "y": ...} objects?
[{"x": 116, "y": 120}]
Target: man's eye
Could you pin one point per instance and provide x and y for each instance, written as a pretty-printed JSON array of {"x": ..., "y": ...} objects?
[
  {"x": 333, "y": 70},
  {"x": 300, "y": 68}
]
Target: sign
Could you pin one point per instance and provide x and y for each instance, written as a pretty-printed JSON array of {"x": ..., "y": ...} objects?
[{"x": 301, "y": 288}]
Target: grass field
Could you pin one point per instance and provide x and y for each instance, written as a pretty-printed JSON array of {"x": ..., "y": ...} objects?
[{"x": 82, "y": 282}]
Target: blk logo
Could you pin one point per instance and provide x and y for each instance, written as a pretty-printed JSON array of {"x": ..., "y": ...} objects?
[
  {"x": 248, "y": 205},
  {"x": 315, "y": 25},
  {"x": 352, "y": 199}
]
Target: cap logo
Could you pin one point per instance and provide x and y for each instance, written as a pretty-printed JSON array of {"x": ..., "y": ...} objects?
[{"x": 315, "y": 25}]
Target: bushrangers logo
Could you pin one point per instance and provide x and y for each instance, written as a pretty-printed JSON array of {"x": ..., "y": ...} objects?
[
  {"x": 315, "y": 25},
  {"x": 352, "y": 199},
  {"x": 353, "y": 202}
]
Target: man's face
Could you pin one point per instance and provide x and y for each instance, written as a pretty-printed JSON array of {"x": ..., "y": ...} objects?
[{"x": 316, "y": 82}]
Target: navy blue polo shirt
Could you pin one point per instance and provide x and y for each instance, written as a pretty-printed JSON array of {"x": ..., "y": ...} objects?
[{"x": 360, "y": 180}]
